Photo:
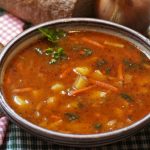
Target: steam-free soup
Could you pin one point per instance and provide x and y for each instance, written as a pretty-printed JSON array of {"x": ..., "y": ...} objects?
[{"x": 79, "y": 82}]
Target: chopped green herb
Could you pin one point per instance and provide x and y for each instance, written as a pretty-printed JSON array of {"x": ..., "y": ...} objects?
[
  {"x": 39, "y": 51},
  {"x": 53, "y": 35},
  {"x": 108, "y": 70},
  {"x": 87, "y": 52},
  {"x": 126, "y": 97},
  {"x": 82, "y": 50},
  {"x": 57, "y": 54},
  {"x": 101, "y": 63},
  {"x": 129, "y": 64},
  {"x": 49, "y": 51},
  {"x": 72, "y": 116},
  {"x": 97, "y": 126}
]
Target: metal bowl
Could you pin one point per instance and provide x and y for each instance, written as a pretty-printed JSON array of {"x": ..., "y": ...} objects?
[{"x": 78, "y": 140}]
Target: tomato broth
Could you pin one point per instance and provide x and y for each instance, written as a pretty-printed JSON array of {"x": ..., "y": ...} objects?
[{"x": 79, "y": 82}]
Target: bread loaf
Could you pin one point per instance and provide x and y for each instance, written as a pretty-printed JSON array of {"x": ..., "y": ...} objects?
[{"x": 37, "y": 11}]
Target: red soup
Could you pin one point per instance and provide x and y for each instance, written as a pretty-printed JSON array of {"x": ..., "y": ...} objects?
[{"x": 79, "y": 82}]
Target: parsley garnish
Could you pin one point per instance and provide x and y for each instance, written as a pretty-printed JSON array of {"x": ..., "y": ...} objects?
[
  {"x": 49, "y": 51},
  {"x": 129, "y": 64},
  {"x": 107, "y": 71},
  {"x": 72, "y": 116},
  {"x": 101, "y": 63},
  {"x": 53, "y": 35},
  {"x": 87, "y": 52},
  {"x": 56, "y": 53}
]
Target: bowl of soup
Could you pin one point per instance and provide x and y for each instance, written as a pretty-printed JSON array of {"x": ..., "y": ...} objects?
[{"x": 77, "y": 82}]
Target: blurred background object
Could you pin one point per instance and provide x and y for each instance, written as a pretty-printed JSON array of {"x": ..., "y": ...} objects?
[
  {"x": 132, "y": 13},
  {"x": 38, "y": 11}
]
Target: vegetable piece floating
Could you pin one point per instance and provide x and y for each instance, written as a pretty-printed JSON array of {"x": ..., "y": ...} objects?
[
  {"x": 72, "y": 105},
  {"x": 102, "y": 94},
  {"x": 75, "y": 92},
  {"x": 86, "y": 52},
  {"x": 80, "y": 82},
  {"x": 22, "y": 90},
  {"x": 111, "y": 123},
  {"x": 72, "y": 116},
  {"x": 97, "y": 74},
  {"x": 20, "y": 101},
  {"x": 56, "y": 52},
  {"x": 114, "y": 44},
  {"x": 53, "y": 35},
  {"x": 92, "y": 42},
  {"x": 57, "y": 87},
  {"x": 76, "y": 84},
  {"x": 84, "y": 71},
  {"x": 101, "y": 63},
  {"x": 104, "y": 85},
  {"x": 130, "y": 65},
  {"x": 51, "y": 100},
  {"x": 98, "y": 96}
]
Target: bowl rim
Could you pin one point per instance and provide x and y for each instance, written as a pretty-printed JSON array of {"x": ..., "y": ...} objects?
[{"x": 43, "y": 131}]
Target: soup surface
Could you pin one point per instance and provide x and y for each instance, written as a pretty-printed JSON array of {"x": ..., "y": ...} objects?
[{"x": 79, "y": 82}]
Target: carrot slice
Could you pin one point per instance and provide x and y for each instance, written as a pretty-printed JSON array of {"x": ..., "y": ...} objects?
[
  {"x": 104, "y": 85},
  {"x": 87, "y": 40},
  {"x": 120, "y": 72},
  {"x": 75, "y": 92},
  {"x": 65, "y": 73},
  {"x": 55, "y": 117},
  {"x": 22, "y": 90}
]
